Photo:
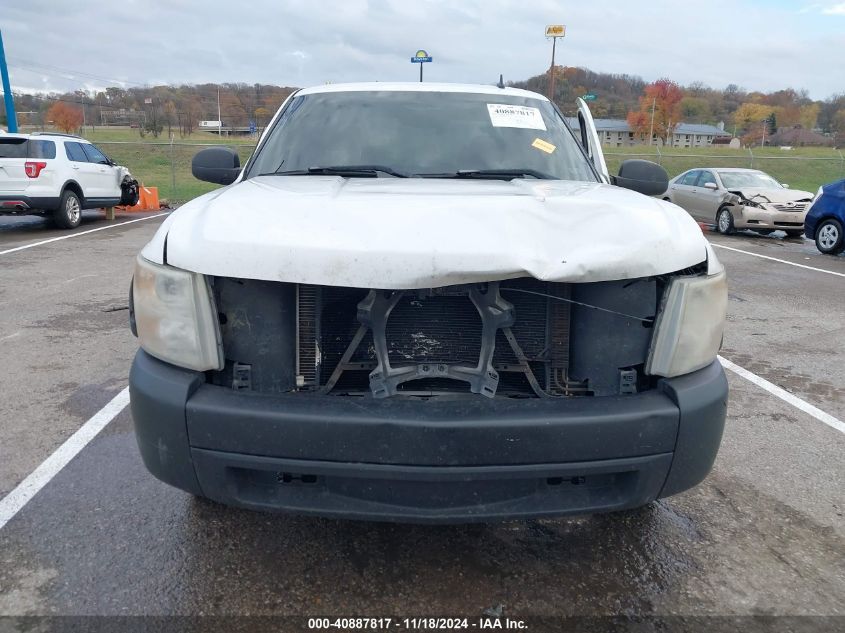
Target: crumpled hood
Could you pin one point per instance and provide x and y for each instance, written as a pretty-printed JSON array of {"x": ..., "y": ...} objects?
[
  {"x": 774, "y": 195},
  {"x": 422, "y": 233}
]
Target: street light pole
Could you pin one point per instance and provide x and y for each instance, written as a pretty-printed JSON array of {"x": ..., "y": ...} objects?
[
  {"x": 651, "y": 128},
  {"x": 554, "y": 31},
  {"x": 219, "y": 120},
  {"x": 11, "y": 118}
]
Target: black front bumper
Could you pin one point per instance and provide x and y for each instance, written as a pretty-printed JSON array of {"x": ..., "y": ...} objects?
[{"x": 402, "y": 459}]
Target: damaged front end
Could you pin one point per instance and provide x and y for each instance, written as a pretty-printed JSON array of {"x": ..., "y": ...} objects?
[
  {"x": 129, "y": 188},
  {"x": 518, "y": 338},
  {"x": 757, "y": 211}
]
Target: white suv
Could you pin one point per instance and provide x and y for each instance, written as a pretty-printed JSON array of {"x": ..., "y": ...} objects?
[{"x": 59, "y": 175}]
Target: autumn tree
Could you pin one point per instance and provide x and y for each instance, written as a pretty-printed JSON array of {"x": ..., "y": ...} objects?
[
  {"x": 231, "y": 109},
  {"x": 153, "y": 124},
  {"x": 758, "y": 120},
  {"x": 695, "y": 109},
  {"x": 662, "y": 99},
  {"x": 828, "y": 110},
  {"x": 170, "y": 117},
  {"x": 190, "y": 116},
  {"x": 750, "y": 113},
  {"x": 809, "y": 115},
  {"x": 837, "y": 125},
  {"x": 732, "y": 97},
  {"x": 262, "y": 116},
  {"x": 65, "y": 116}
]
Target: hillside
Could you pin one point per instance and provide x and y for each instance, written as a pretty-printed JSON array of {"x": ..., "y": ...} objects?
[{"x": 178, "y": 109}]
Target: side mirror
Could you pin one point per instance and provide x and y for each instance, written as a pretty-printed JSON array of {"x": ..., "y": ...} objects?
[
  {"x": 711, "y": 185},
  {"x": 784, "y": 185},
  {"x": 642, "y": 176},
  {"x": 219, "y": 165}
]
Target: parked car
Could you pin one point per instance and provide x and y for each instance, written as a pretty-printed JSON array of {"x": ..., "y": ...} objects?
[
  {"x": 826, "y": 218},
  {"x": 59, "y": 175},
  {"x": 740, "y": 199},
  {"x": 399, "y": 309}
]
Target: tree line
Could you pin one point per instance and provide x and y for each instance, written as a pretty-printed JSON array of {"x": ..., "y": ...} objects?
[
  {"x": 747, "y": 114},
  {"x": 177, "y": 110}
]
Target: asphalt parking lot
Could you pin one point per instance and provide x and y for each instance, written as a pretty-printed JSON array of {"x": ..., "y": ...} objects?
[{"x": 763, "y": 535}]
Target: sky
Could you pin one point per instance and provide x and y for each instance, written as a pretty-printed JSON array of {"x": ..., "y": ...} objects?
[{"x": 765, "y": 45}]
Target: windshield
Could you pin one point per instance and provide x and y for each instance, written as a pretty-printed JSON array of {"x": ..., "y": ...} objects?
[
  {"x": 742, "y": 179},
  {"x": 436, "y": 134}
]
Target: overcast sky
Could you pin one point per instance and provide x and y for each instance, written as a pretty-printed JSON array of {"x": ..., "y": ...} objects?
[{"x": 758, "y": 44}]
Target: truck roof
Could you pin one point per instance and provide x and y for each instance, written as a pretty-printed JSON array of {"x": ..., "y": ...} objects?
[{"x": 415, "y": 86}]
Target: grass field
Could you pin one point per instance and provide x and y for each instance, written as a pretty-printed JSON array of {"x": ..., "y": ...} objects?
[
  {"x": 150, "y": 160},
  {"x": 801, "y": 168}
]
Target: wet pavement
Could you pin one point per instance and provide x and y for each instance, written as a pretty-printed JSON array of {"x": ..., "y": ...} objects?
[{"x": 763, "y": 535}]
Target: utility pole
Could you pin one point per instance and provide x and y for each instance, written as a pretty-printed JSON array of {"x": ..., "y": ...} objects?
[
  {"x": 11, "y": 117},
  {"x": 651, "y": 128},
  {"x": 219, "y": 120},
  {"x": 554, "y": 31},
  {"x": 763, "y": 142}
]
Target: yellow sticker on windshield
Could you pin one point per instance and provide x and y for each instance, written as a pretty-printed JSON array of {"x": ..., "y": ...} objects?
[{"x": 543, "y": 146}]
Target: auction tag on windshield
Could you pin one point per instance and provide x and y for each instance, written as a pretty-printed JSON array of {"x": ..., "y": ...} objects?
[
  {"x": 543, "y": 146},
  {"x": 502, "y": 115}
]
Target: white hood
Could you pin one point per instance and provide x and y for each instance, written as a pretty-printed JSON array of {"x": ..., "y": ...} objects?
[{"x": 423, "y": 233}]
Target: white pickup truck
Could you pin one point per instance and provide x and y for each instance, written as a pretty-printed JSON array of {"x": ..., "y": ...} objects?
[{"x": 428, "y": 303}]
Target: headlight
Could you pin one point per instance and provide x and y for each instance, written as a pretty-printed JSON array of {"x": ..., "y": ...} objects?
[
  {"x": 174, "y": 316},
  {"x": 690, "y": 324}
]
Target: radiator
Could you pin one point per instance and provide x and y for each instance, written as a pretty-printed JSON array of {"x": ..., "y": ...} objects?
[{"x": 434, "y": 330}]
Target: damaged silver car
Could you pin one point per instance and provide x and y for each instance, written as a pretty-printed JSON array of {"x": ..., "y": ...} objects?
[{"x": 733, "y": 198}]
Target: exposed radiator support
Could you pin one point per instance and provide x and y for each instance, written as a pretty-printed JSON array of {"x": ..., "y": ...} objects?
[{"x": 435, "y": 340}]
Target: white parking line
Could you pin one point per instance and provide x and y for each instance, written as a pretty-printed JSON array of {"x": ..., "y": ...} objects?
[
  {"x": 784, "y": 395},
  {"x": 70, "y": 235},
  {"x": 774, "y": 259},
  {"x": 12, "y": 503}
]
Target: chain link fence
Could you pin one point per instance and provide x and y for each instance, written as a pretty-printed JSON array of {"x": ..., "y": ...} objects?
[
  {"x": 168, "y": 165},
  {"x": 806, "y": 171}
]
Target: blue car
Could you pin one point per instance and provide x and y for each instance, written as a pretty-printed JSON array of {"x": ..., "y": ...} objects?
[{"x": 826, "y": 218}]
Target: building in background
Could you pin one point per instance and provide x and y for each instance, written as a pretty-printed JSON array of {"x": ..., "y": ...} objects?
[
  {"x": 799, "y": 137},
  {"x": 617, "y": 133}
]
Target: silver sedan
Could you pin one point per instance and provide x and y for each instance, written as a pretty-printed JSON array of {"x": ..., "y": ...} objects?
[{"x": 734, "y": 198}]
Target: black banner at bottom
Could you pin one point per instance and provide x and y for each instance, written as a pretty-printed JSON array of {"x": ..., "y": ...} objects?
[{"x": 295, "y": 624}]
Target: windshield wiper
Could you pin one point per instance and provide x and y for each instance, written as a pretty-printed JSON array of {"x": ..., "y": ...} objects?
[
  {"x": 493, "y": 174},
  {"x": 347, "y": 171}
]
